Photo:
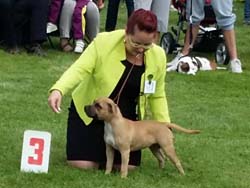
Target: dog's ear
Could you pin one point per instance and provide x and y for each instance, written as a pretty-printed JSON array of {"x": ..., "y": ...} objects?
[
  {"x": 97, "y": 106},
  {"x": 111, "y": 108}
]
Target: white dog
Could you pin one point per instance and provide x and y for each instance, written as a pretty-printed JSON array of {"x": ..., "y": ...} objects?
[{"x": 190, "y": 65}]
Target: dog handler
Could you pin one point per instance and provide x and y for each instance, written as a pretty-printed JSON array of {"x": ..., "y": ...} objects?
[{"x": 123, "y": 65}]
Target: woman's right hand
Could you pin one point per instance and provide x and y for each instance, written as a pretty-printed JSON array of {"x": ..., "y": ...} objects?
[{"x": 54, "y": 100}]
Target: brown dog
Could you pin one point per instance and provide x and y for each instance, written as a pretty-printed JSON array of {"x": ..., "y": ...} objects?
[{"x": 126, "y": 135}]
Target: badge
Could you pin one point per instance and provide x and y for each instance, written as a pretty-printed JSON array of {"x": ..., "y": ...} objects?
[{"x": 149, "y": 86}]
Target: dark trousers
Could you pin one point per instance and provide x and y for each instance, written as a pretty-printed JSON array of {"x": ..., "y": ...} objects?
[
  {"x": 112, "y": 13},
  {"x": 7, "y": 30},
  {"x": 30, "y": 17},
  {"x": 54, "y": 12},
  {"x": 247, "y": 10}
]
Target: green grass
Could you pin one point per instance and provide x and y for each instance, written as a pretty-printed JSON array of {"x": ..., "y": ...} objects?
[{"x": 215, "y": 102}]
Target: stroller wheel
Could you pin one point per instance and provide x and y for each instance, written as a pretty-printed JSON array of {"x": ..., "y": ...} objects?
[
  {"x": 221, "y": 54},
  {"x": 167, "y": 42}
]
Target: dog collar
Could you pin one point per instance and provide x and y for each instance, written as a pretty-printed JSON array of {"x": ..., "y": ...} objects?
[{"x": 197, "y": 62}]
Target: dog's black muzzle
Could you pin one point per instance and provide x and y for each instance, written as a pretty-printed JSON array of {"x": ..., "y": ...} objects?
[{"x": 90, "y": 111}]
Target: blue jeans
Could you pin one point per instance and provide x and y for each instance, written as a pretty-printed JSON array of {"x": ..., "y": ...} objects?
[{"x": 247, "y": 10}]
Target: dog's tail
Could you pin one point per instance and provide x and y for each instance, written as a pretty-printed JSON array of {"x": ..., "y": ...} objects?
[{"x": 181, "y": 129}]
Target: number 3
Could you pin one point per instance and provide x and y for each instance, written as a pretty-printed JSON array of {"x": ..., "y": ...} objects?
[{"x": 38, "y": 159}]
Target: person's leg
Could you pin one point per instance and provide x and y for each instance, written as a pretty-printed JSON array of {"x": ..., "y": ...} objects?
[
  {"x": 65, "y": 24},
  {"x": 130, "y": 7},
  {"x": 54, "y": 12},
  {"x": 225, "y": 19},
  {"x": 8, "y": 29},
  {"x": 21, "y": 20},
  {"x": 112, "y": 13},
  {"x": 38, "y": 20},
  {"x": 187, "y": 44},
  {"x": 85, "y": 147},
  {"x": 247, "y": 12},
  {"x": 83, "y": 164},
  {"x": 194, "y": 15},
  {"x": 229, "y": 36},
  {"x": 193, "y": 21},
  {"x": 78, "y": 28},
  {"x": 79, "y": 24},
  {"x": 144, "y": 4},
  {"x": 92, "y": 20},
  {"x": 37, "y": 26},
  {"x": 161, "y": 9}
]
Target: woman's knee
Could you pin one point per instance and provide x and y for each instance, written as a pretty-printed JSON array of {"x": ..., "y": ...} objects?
[
  {"x": 92, "y": 20},
  {"x": 69, "y": 3},
  {"x": 92, "y": 8},
  {"x": 83, "y": 164}
]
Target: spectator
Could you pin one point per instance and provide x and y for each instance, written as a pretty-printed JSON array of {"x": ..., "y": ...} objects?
[
  {"x": 65, "y": 23},
  {"x": 30, "y": 24},
  {"x": 161, "y": 9},
  {"x": 78, "y": 22},
  {"x": 54, "y": 13},
  {"x": 225, "y": 20},
  {"x": 247, "y": 12},
  {"x": 7, "y": 31},
  {"x": 25, "y": 24},
  {"x": 112, "y": 13},
  {"x": 119, "y": 68}
]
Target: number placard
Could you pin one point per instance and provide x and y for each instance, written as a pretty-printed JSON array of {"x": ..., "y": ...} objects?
[{"x": 36, "y": 151}]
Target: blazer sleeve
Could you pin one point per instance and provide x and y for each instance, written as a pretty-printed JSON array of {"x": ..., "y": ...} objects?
[{"x": 78, "y": 71}]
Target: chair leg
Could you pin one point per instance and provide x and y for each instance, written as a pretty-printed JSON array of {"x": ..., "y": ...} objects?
[{"x": 50, "y": 42}]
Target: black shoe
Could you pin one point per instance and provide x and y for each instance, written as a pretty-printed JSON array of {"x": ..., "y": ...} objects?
[
  {"x": 36, "y": 49},
  {"x": 13, "y": 50},
  {"x": 246, "y": 22}
]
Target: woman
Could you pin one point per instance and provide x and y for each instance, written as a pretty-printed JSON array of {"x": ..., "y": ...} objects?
[{"x": 123, "y": 69}]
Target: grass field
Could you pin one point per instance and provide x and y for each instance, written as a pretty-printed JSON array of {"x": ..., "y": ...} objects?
[{"x": 215, "y": 102}]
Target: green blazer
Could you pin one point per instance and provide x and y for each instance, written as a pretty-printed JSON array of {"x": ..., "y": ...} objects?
[{"x": 99, "y": 68}]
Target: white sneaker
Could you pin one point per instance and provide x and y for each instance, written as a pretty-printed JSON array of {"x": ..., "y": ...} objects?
[
  {"x": 172, "y": 65},
  {"x": 79, "y": 46},
  {"x": 51, "y": 27},
  {"x": 235, "y": 66}
]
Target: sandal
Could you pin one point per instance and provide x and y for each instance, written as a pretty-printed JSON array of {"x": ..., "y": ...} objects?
[
  {"x": 100, "y": 5},
  {"x": 66, "y": 47}
]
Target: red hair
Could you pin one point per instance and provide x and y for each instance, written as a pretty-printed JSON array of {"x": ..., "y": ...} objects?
[{"x": 145, "y": 20}]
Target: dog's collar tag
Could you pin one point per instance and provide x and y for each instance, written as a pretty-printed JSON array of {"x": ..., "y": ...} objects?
[{"x": 149, "y": 86}]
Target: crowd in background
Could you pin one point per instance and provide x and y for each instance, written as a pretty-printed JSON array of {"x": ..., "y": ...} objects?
[{"x": 28, "y": 23}]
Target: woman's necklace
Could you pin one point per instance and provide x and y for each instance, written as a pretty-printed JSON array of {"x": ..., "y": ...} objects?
[
  {"x": 138, "y": 60},
  {"x": 135, "y": 60}
]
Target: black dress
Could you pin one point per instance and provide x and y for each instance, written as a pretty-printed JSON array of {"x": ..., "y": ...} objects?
[{"x": 86, "y": 142}]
